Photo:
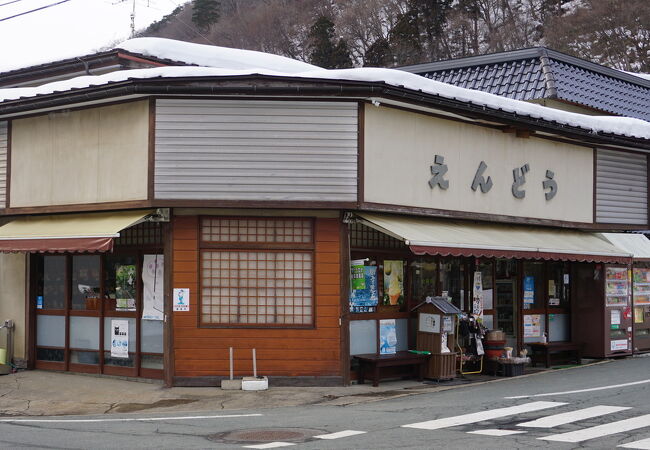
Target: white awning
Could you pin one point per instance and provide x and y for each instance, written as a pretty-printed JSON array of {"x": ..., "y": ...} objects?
[
  {"x": 636, "y": 244},
  {"x": 457, "y": 238}
]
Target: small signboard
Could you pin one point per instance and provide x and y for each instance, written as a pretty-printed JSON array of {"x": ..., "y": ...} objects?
[
  {"x": 429, "y": 323},
  {"x": 181, "y": 299}
]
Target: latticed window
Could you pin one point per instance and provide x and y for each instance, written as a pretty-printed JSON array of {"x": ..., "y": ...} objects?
[{"x": 257, "y": 272}]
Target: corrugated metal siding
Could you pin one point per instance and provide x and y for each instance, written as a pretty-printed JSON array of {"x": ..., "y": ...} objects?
[
  {"x": 256, "y": 150},
  {"x": 3, "y": 163},
  {"x": 621, "y": 187}
]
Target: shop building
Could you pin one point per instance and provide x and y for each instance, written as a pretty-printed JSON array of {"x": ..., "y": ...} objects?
[{"x": 156, "y": 218}]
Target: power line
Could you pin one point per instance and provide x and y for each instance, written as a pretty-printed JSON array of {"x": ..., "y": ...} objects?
[
  {"x": 9, "y": 3},
  {"x": 188, "y": 26},
  {"x": 34, "y": 10}
]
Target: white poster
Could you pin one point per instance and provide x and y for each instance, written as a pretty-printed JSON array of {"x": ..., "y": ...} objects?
[
  {"x": 153, "y": 270},
  {"x": 181, "y": 299},
  {"x": 487, "y": 299},
  {"x": 620, "y": 344},
  {"x": 443, "y": 343},
  {"x": 119, "y": 338},
  {"x": 532, "y": 325},
  {"x": 429, "y": 323}
]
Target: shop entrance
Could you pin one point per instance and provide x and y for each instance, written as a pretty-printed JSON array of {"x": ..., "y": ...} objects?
[
  {"x": 506, "y": 301},
  {"x": 89, "y": 314}
]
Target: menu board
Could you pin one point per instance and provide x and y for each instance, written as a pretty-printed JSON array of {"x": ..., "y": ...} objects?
[
  {"x": 616, "y": 286},
  {"x": 641, "y": 286}
]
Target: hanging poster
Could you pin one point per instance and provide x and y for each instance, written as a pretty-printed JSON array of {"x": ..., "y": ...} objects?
[
  {"x": 529, "y": 290},
  {"x": 393, "y": 282},
  {"x": 477, "y": 295},
  {"x": 181, "y": 299},
  {"x": 387, "y": 337},
  {"x": 366, "y": 299},
  {"x": 357, "y": 274},
  {"x": 153, "y": 270},
  {"x": 119, "y": 338},
  {"x": 532, "y": 325}
]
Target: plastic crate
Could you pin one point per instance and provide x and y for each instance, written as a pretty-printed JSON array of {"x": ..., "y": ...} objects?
[{"x": 513, "y": 370}]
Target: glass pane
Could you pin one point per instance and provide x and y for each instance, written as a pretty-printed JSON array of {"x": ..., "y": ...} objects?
[
  {"x": 452, "y": 278},
  {"x": 151, "y": 362},
  {"x": 108, "y": 328},
  {"x": 505, "y": 301},
  {"x": 50, "y": 331},
  {"x": 487, "y": 281},
  {"x": 119, "y": 362},
  {"x": 533, "y": 281},
  {"x": 78, "y": 357},
  {"x": 84, "y": 333},
  {"x": 50, "y": 287},
  {"x": 425, "y": 279},
  {"x": 120, "y": 282},
  {"x": 152, "y": 336},
  {"x": 558, "y": 285},
  {"x": 50, "y": 354},
  {"x": 85, "y": 282}
]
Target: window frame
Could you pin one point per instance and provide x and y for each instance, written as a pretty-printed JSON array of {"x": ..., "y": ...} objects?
[{"x": 261, "y": 247}]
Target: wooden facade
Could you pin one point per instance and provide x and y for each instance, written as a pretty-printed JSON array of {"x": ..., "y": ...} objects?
[{"x": 203, "y": 352}]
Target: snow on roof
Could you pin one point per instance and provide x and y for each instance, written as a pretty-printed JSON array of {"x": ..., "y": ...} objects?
[
  {"x": 624, "y": 126},
  {"x": 212, "y": 55}
]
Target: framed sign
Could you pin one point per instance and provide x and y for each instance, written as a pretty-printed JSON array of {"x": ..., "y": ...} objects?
[{"x": 429, "y": 323}]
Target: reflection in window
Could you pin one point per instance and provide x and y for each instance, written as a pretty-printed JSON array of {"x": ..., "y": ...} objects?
[
  {"x": 120, "y": 282},
  {"x": 85, "y": 281},
  {"x": 425, "y": 279},
  {"x": 452, "y": 277}
]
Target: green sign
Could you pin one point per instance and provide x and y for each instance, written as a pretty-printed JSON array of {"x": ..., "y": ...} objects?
[{"x": 357, "y": 274}]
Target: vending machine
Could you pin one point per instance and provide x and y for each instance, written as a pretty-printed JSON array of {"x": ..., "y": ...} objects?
[
  {"x": 641, "y": 308},
  {"x": 618, "y": 310}
]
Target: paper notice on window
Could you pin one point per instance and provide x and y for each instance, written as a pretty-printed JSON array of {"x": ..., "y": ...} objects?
[
  {"x": 119, "y": 338},
  {"x": 153, "y": 270}
]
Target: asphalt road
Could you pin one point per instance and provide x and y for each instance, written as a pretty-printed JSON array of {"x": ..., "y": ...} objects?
[{"x": 578, "y": 408}]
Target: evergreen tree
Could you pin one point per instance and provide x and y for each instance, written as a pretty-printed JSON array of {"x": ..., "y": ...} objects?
[
  {"x": 323, "y": 51},
  {"x": 205, "y": 13},
  {"x": 379, "y": 54}
]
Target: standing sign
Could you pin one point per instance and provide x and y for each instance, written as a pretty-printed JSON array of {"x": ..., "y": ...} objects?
[
  {"x": 119, "y": 338},
  {"x": 477, "y": 296},
  {"x": 153, "y": 269},
  {"x": 182, "y": 299}
]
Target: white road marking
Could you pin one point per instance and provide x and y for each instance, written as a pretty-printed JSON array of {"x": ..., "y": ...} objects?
[
  {"x": 572, "y": 416},
  {"x": 483, "y": 415},
  {"x": 340, "y": 434},
  {"x": 270, "y": 445},
  {"x": 598, "y": 431},
  {"x": 643, "y": 444},
  {"x": 495, "y": 432},
  {"x": 130, "y": 419},
  {"x": 577, "y": 391}
]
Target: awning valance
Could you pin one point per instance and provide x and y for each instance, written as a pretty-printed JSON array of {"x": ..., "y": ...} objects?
[
  {"x": 636, "y": 244},
  {"x": 91, "y": 232},
  {"x": 456, "y": 238}
]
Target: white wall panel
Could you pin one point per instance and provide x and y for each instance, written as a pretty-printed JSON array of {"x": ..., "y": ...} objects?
[
  {"x": 621, "y": 187},
  {"x": 256, "y": 150}
]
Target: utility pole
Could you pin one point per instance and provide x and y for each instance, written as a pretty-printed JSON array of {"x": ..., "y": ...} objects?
[{"x": 133, "y": 21}]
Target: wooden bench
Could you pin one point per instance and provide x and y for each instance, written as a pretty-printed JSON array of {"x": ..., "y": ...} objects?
[
  {"x": 541, "y": 352},
  {"x": 375, "y": 362}
]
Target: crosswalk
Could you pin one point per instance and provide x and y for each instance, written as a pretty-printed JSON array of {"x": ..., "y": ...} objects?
[{"x": 614, "y": 426}]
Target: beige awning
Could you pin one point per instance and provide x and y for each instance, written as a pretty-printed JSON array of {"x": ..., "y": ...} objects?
[
  {"x": 457, "y": 238},
  {"x": 91, "y": 232},
  {"x": 636, "y": 244}
]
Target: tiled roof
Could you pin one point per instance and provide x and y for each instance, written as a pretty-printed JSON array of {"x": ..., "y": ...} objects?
[{"x": 539, "y": 73}]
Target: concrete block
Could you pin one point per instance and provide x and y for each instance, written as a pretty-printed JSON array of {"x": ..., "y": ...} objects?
[
  {"x": 231, "y": 385},
  {"x": 255, "y": 383}
]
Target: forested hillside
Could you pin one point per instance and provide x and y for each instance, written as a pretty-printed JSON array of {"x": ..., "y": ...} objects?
[{"x": 388, "y": 33}]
